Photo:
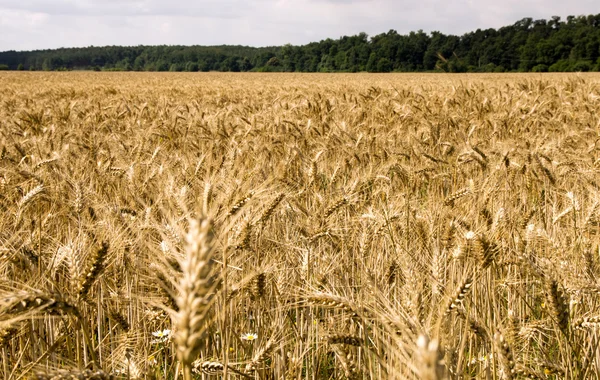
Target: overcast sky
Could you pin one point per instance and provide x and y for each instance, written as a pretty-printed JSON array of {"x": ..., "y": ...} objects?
[{"x": 42, "y": 24}]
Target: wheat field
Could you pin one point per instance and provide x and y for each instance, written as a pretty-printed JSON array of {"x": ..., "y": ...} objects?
[{"x": 299, "y": 226}]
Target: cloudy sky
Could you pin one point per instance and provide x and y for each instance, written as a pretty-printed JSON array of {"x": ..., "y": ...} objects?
[{"x": 42, "y": 24}]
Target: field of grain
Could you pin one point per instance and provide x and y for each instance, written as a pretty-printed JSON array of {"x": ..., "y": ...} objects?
[{"x": 299, "y": 226}]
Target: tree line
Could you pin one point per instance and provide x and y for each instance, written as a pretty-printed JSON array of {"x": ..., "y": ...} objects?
[{"x": 527, "y": 45}]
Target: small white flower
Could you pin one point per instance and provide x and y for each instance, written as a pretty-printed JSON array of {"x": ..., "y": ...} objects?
[
  {"x": 470, "y": 235},
  {"x": 161, "y": 336},
  {"x": 249, "y": 337}
]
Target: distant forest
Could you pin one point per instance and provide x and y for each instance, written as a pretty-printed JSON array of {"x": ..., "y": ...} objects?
[{"x": 528, "y": 45}]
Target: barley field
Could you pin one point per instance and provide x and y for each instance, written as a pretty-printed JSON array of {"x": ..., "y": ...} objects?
[{"x": 299, "y": 226}]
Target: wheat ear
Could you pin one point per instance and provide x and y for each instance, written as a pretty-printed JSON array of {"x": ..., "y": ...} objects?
[
  {"x": 96, "y": 266},
  {"x": 459, "y": 295},
  {"x": 507, "y": 361},
  {"x": 349, "y": 340},
  {"x": 557, "y": 305},
  {"x": 260, "y": 355},
  {"x": 195, "y": 290}
]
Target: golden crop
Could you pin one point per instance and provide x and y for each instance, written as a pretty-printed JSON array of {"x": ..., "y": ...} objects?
[{"x": 299, "y": 226}]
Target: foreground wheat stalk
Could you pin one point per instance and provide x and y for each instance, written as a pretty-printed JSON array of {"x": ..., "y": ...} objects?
[{"x": 195, "y": 293}]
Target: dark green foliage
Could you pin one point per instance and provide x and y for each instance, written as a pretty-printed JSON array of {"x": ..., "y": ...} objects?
[{"x": 527, "y": 45}]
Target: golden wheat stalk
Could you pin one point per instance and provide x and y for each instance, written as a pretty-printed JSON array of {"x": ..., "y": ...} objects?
[
  {"x": 557, "y": 305},
  {"x": 260, "y": 355},
  {"x": 459, "y": 295},
  {"x": 507, "y": 361},
  {"x": 96, "y": 266},
  {"x": 349, "y": 340},
  {"x": 268, "y": 212},
  {"x": 347, "y": 362},
  {"x": 240, "y": 203},
  {"x": 35, "y": 301},
  {"x": 215, "y": 368},
  {"x": 195, "y": 293}
]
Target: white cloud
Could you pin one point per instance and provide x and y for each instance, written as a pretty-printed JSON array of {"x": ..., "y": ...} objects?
[
  {"x": 204, "y": 8},
  {"x": 32, "y": 24}
]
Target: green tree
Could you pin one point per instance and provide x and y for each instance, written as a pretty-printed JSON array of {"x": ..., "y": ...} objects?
[
  {"x": 47, "y": 65},
  {"x": 245, "y": 64},
  {"x": 230, "y": 64},
  {"x": 288, "y": 58},
  {"x": 203, "y": 65},
  {"x": 176, "y": 67},
  {"x": 191, "y": 66},
  {"x": 273, "y": 62},
  {"x": 541, "y": 68},
  {"x": 372, "y": 63},
  {"x": 124, "y": 65},
  {"x": 384, "y": 65},
  {"x": 161, "y": 65},
  {"x": 139, "y": 63}
]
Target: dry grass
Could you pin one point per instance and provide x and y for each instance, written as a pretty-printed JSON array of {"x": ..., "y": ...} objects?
[{"x": 361, "y": 226}]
